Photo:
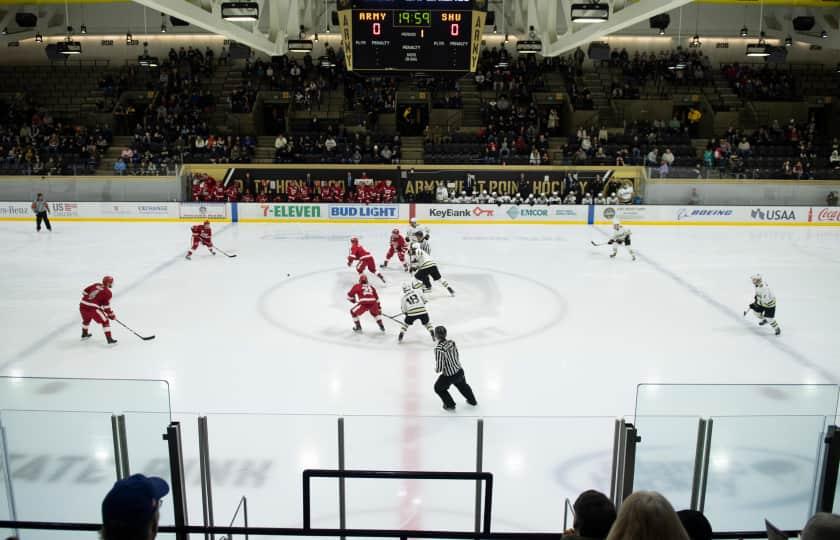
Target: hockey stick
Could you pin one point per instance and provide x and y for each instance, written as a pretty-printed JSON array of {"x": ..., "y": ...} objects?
[
  {"x": 394, "y": 318},
  {"x": 144, "y": 338},
  {"x": 225, "y": 253},
  {"x": 601, "y": 244}
]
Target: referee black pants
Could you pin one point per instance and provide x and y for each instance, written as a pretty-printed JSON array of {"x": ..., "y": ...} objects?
[
  {"x": 459, "y": 380},
  {"x": 39, "y": 217}
]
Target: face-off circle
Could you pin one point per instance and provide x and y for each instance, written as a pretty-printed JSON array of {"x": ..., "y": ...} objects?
[{"x": 490, "y": 307}]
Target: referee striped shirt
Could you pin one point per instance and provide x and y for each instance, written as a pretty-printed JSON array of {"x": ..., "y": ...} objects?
[{"x": 446, "y": 357}]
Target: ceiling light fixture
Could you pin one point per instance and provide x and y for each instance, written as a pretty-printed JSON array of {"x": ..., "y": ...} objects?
[
  {"x": 128, "y": 38},
  {"x": 823, "y": 35},
  {"x": 5, "y": 31},
  {"x": 788, "y": 41},
  {"x": 744, "y": 32},
  {"x": 661, "y": 31},
  {"x": 760, "y": 48},
  {"x": 591, "y": 12},
  {"x": 83, "y": 29},
  {"x": 39, "y": 38},
  {"x": 240, "y": 11}
]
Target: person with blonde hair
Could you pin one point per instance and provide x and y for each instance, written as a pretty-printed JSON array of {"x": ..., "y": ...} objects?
[{"x": 647, "y": 515}]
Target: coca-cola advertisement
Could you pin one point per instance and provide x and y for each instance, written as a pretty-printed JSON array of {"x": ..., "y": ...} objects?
[{"x": 824, "y": 215}]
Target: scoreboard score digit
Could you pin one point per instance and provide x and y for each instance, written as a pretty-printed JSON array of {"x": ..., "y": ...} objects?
[{"x": 412, "y": 35}]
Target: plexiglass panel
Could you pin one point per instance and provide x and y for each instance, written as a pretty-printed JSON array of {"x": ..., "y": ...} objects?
[
  {"x": 544, "y": 459},
  {"x": 665, "y": 456},
  {"x": 443, "y": 443},
  {"x": 763, "y": 467}
]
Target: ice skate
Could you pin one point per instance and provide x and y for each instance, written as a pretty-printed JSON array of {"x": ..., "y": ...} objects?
[
  {"x": 763, "y": 322},
  {"x": 612, "y": 255},
  {"x": 778, "y": 331},
  {"x": 86, "y": 334},
  {"x": 357, "y": 327},
  {"x": 449, "y": 408},
  {"x": 400, "y": 337},
  {"x": 381, "y": 326},
  {"x": 451, "y": 291},
  {"x": 111, "y": 340},
  {"x": 189, "y": 256},
  {"x": 384, "y": 264}
]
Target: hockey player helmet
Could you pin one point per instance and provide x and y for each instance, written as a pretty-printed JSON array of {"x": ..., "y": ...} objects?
[
  {"x": 354, "y": 240},
  {"x": 406, "y": 287},
  {"x": 108, "y": 281},
  {"x": 363, "y": 279},
  {"x": 206, "y": 223},
  {"x": 756, "y": 279},
  {"x": 395, "y": 232},
  {"x": 412, "y": 222}
]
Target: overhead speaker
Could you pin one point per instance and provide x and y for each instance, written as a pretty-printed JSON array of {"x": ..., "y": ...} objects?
[
  {"x": 803, "y": 24},
  {"x": 334, "y": 18},
  {"x": 53, "y": 54},
  {"x": 598, "y": 50},
  {"x": 490, "y": 18},
  {"x": 778, "y": 55},
  {"x": 239, "y": 51},
  {"x": 177, "y": 22},
  {"x": 660, "y": 21},
  {"x": 26, "y": 20}
]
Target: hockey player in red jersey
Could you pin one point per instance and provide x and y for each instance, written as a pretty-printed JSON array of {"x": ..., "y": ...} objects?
[
  {"x": 397, "y": 246},
  {"x": 365, "y": 297},
  {"x": 96, "y": 306},
  {"x": 364, "y": 258},
  {"x": 203, "y": 234}
]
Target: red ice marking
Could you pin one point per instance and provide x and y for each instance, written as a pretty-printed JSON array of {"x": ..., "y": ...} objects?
[{"x": 411, "y": 431}]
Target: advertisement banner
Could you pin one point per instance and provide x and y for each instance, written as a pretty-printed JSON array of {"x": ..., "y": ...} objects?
[
  {"x": 203, "y": 210},
  {"x": 96, "y": 211},
  {"x": 364, "y": 211},
  {"x": 628, "y": 213},
  {"x": 505, "y": 213},
  {"x": 771, "y": 214},
  {"x": 16, "y": 210},
  {"x": 829, "y": 215}
]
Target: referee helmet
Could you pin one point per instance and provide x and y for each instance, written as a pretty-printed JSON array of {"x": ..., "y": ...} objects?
[{"x": 440, "y": 332}]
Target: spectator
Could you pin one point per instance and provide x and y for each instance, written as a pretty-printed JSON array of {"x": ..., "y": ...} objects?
[
  {"x": 834, "y": 159},
  {"x": 822, "y": 526},
  {"x": 647, "y": 515},
  {"x": 668, "y": 157},
  {"x": 831, "y": 200},
  {"x": 664, "y": 169},
  {"x": 695, "y": 524},
  {"x": 119, "y": 167},
  {"x": 130, "y": 509},
  {"x": 535, "y": 156},
  {"x": 594, "y": 516},
  {"x": 653, "y": 157}
]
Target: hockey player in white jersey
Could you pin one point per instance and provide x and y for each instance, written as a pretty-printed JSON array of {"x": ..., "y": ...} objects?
[
  {"x": 426, "y": 268},
  {"x": 414, "y": 308},
  {"x": 764, "y": 304},
  {"x": 417, "y": 233},
  {"x": 621, "y": 236}
]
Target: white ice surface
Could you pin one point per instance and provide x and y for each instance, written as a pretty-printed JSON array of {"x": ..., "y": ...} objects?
[{"x": 547, "y": 325}]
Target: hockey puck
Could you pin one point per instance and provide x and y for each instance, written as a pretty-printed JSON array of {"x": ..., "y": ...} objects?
[{"x": 287, "y": 275}]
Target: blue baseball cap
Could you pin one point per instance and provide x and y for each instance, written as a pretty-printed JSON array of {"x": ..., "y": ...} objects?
[{"x": 133, "y": 501}]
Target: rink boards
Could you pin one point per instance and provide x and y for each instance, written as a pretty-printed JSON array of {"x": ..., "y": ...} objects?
[{"x": 462, "y": 214}]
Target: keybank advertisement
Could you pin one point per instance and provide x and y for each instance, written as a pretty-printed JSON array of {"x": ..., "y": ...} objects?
[{"x": 488, "y": 213}]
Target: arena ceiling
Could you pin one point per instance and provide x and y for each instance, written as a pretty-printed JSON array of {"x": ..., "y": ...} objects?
[{"x": 546, "y": 20}]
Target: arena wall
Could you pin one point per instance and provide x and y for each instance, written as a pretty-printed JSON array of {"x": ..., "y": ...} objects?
[{"x": 439, "y": 214}]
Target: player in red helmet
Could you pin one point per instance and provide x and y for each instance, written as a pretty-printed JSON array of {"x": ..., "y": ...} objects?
[
  {"x": 364, "y": 258},
  {"x": 366, "y": 298},
  {"x": 201, "y": 234},
  {"x": 398, "y": 246},
  {"x": 95, "y": 305}
]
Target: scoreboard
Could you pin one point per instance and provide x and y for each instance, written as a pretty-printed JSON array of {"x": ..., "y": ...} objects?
[{"x": 412, "y": 35}]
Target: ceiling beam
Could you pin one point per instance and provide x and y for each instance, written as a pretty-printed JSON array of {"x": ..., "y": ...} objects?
[
  {"x": 577, "y": 35},
  {"x": 212, "y": 22}
]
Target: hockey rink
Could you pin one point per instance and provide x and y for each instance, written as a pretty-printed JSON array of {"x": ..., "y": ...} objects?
[{"x": 554, "y": 337}]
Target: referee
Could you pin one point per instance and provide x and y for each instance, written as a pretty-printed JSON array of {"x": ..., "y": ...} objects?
[
  {"x": 41, "y": 209},
  {"x": 451, "y": 372}
]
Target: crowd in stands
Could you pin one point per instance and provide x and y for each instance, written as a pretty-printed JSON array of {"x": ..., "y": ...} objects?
[
  {"x": 659, "y": 144},
  {"x": 33, "y": 142},
  {"x": 516, "y": 78},
  {"x": 668, "y": 67},
  {"x": 336, "y": 145},
  {"x": 766, "y": 83},
  {"x": 363, "y": 190},
  {"x": 171, "y": 129},
  {"x": 792, "y": 151},
  {"x": 130, "y": 510}
]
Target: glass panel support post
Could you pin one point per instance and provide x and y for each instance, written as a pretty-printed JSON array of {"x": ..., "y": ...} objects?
[
  {"x": 206, "y": 482},
  {"x": 176, "y": 475}
]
